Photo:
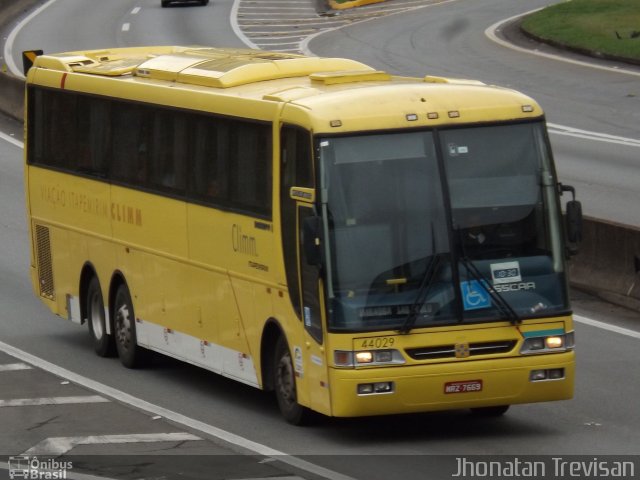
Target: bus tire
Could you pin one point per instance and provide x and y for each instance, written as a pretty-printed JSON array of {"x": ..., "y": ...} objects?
[
  {"x": 284, "y": 383},
  {"x": 124, "y": 329},
  {"x": 490, "y": 411},
  {"x": 103, "y": 344}
]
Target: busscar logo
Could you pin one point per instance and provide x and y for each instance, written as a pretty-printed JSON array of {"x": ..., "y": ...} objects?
[{"x": 23, "y": 466}]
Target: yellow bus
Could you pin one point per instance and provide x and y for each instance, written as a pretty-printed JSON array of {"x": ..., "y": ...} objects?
[{"x": 360, "y": 243}]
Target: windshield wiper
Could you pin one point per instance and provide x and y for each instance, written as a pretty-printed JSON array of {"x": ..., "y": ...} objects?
[
  {"x": 424, "y": 288},
  {"x": 501, "y": 304}
]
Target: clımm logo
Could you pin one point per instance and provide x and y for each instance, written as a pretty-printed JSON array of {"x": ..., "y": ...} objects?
[{"x": 462, "y": 350}]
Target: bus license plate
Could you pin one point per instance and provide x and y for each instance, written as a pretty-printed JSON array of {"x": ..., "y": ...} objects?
[{"x": 463, "y": 387}]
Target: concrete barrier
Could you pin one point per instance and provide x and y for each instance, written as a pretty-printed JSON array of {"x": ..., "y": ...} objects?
[
  {"x": 608, "y": 263},
  {"x": 12, "y": 96}
]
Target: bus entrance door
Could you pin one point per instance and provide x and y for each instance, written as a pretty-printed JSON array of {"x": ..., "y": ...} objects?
[{"x": 312, "y": 358}]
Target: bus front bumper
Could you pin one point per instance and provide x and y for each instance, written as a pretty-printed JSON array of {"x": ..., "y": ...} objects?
[{"x": 449, "y": 386}]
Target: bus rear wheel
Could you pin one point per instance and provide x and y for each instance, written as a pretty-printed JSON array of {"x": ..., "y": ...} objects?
[
  {"x": 103, "y": 344},
  {"x": 124, "y": 326},
  {"x": 285, "y": 386}
]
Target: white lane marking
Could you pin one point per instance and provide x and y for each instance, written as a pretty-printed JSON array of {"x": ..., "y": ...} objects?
[
  {"x": 240, "y": 443},
  {"x": 135, "y": 11},
  {"x": 233, "y": 21},
  {"x": 490, "y": 33},
  {"x": 8, "y": 46},
  {"x": 126, "y": 27},
  {"x": 29, "y": 402},
  {"x": 55, "y": 446},
  {"x": 11, "y": 140},
  {"x": 11, "y": 367},
  {"x": 596, "y": 136},
  {"x": 607, "y": 326}
]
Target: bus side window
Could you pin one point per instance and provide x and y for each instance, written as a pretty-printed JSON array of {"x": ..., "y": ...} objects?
[
  {"x": 250, "y": 167},
  {"x": 205, "y": 182},
  {"x": 129, "y": 145},
  {"x": 167, "y": 159},
  {"x": 93, "y": 136},
  {"x": 61, "y": 128}
]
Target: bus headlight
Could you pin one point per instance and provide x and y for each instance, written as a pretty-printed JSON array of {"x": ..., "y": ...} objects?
[
  {"x": 548, "y": 344},
  {"x": 554, "y": 342},
  {"x": 346, "y": 358}
]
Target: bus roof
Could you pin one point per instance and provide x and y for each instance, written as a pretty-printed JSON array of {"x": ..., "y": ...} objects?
[{"x": 332, "y": 88}]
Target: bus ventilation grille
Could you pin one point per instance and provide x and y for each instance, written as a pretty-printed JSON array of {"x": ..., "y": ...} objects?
[
  {"x": 449, "y": 351},
  {"x": 45, "y": 267}
]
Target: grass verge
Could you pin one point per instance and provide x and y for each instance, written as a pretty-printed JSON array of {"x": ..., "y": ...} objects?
[{"x": 609, "y": 27}]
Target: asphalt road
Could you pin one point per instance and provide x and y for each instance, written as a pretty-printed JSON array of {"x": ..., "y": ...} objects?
[{"x": 603, "y": 419}]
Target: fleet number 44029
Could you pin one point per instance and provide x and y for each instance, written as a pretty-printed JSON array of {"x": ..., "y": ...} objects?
[{"x": 376, "y": 342}]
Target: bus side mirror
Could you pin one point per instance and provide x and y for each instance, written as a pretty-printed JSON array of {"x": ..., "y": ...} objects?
[
  {"x": 573, "y": 219},
  {"x": 311, "y": 240}
]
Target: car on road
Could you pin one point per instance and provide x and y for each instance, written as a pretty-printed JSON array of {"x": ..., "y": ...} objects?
[{"x": 166, "y": 3}]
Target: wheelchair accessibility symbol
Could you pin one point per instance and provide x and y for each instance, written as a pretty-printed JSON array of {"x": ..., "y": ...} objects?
[{"x": 474, "y": 295}]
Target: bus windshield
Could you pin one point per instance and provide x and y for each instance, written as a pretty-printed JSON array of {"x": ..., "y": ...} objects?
[{"x": 429, "y": 228}]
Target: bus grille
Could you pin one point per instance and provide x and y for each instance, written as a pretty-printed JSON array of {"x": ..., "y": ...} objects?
[
  {"x": 45, "y": 266},
  {"x": 449, "y": 351}
]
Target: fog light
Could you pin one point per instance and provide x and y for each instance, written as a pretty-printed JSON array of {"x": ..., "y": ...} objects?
[
  {"x": 556, "y": 373},
  {"x": 383, "y": 387},
  {"x": 537, "y": 375},
  {"x": 365, "y": 389}
]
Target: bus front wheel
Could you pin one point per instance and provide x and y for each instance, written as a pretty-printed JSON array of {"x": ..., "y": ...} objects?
[
  {"x": 124, "y": 326},
  {"x": 285, "y": 386},
  {"x": 103, "y": 344}
]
